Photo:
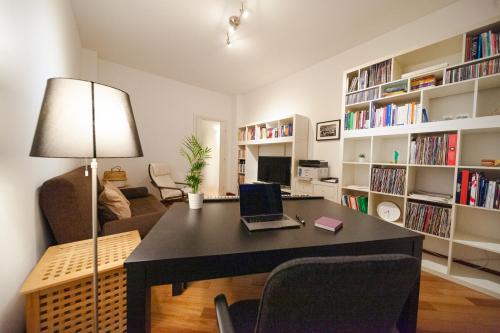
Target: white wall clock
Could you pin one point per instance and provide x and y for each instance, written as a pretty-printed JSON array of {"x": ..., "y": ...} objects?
[{"x": 388, "y": 211}]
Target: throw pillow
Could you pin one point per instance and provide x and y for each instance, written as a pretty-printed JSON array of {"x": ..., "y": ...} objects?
[
  {"x": 104, "y": 214},
  {"x": 113, "y": 198}
]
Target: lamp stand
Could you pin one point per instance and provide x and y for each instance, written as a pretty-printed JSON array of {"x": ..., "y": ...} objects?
[{"x": 95, "y": 276}]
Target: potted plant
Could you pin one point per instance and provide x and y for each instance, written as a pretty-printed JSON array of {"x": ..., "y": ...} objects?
[
  {"x": 196, "y": 155},
  {"x": 361, "y": 157}
]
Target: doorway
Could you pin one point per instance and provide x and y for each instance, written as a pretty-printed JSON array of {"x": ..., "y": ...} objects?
[{"x": 211, "y": 133}]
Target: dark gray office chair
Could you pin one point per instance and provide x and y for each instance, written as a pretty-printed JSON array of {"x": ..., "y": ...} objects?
[{"x": 333, "y": 294}]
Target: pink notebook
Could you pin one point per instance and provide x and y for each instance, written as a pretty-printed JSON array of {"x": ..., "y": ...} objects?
[{"x": 328, "y": 223}]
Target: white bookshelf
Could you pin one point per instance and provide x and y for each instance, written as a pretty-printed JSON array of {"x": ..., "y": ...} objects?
[
  {"x": 292, "y": 144},
  {"x": 475, "y": 231}
]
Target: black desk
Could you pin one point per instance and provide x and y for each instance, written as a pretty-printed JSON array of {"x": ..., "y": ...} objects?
[{"x": 190, "y": 245}]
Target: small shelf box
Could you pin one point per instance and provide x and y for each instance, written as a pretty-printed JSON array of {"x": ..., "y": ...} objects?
[{"x": 59, "y": 294}]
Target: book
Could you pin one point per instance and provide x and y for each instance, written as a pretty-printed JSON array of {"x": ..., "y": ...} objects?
[
  {"x": 481, "y": 45},
  {"x": 473, "y": 70},
  {"x": 458, "y": 189},
  {"x": 473, "y": 190},
  {"x": 431, "y": 219},
  {"x": 388, "y": 180},
  {"x": 328, "y": 223},
  {"x": 359, "y": 203},
  {"x": 353, "y": 202},
  {"x": 431, "y": 196},
  {"x": 432, "y": 149},
  {"x": 464, "y": 188},
  {"x": 452, "y": 149}
]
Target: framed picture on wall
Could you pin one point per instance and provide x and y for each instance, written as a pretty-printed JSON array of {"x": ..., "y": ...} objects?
[{"x": 328, "y": 130}]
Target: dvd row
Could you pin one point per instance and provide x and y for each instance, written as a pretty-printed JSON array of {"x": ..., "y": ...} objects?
[
  {"x": 388, "y": 180},
  {"x": 431, "y": 219}
]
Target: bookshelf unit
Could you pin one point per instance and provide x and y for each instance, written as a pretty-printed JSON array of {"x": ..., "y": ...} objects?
[
  {"x": 469, "y": 108},
  {"x": 286, "y": 136}
]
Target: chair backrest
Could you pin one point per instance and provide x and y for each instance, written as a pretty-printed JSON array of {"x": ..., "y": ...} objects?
[
  {"x": 66, "y": 204},
  {"x": 160, "y": 177},
  {"x": 337, "y": 294}
]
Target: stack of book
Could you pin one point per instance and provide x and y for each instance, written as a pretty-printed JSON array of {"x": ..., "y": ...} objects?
[
  {"x": 251, "y": 133},
  {"x": 393, "y": 90},
  {"x": 392, "y": 115},
  {"x": 431, "y": 196},
  {"x": 356, "y": 120},
  {"x": 482, "y": 45},
  {"x": 472, "y": 71},
  {"x": 422, "y": 82},
  {"x": 241, "y": 167},
  {"x": 476, "y": 189},
  {"x": 434, "y": 149},
  {"x": 268, "y": 132},
  {"x": 431, "y": 219},
  {"x": 286, "y": 130},
  {"x": 353, "y": 85},
  {"x": 356, "y": 202},
  {"x": 388, "y": 180},
  {"x": 362, "y": 96},
  {"x": 375, "y": 74}
]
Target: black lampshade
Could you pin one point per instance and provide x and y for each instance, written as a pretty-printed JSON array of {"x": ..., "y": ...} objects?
[{"x": 85, "y": 119}]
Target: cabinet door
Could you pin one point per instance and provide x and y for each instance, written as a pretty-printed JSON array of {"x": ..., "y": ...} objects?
[
  {"x": 304, "y": 187},
  {"x": 329, "y": 192}
]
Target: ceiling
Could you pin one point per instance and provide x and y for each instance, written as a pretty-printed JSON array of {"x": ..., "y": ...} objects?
[{"x": 184, "y": 40}]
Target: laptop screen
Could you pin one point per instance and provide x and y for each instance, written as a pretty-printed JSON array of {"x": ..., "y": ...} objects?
[{"x": 260, "y": 199}]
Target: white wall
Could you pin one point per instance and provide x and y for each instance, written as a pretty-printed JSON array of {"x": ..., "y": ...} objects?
[
  {"x": 165, "y": 111},
  {"x": 316, "y": 92},
  {"x": 38, "y": 40}
]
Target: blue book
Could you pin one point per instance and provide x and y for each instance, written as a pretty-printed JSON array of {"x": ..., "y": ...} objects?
[
  {"x": 426, "y": 117},
  {"x": 388, "y": 115},
  {"x": 479, "y": 46}
]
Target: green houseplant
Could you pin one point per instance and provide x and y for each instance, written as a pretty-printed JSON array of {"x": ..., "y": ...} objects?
[{"x": 197, "y": 156}]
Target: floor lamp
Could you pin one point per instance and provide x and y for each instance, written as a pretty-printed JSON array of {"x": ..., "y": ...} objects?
[{"x": 83, "y": 119}]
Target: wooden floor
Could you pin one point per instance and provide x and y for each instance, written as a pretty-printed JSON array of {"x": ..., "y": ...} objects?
[{"x": 444, "y": 306}]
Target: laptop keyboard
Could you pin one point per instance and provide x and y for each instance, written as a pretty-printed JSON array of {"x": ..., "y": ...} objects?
[{"x": 264, "y": 218}]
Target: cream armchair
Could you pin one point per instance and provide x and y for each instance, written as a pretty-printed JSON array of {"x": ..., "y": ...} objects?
[{"x": 170, "y": 190}]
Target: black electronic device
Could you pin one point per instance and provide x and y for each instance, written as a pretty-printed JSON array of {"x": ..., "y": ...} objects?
[
  {"x": 274, "y": 169},
  {"x": 313, "y": 163}
]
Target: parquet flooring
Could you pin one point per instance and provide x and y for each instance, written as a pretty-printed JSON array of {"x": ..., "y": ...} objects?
[{"x": 444, "y": 306}]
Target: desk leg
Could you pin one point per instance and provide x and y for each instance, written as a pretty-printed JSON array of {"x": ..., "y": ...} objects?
[
  {"x": 138, "y": 301},
  {"x": 408, "y": 319}
]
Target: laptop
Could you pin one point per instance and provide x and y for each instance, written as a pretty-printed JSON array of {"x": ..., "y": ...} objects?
[{"x": 261, "y": 207}]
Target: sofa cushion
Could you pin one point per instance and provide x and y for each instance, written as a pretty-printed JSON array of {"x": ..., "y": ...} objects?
[
  {"x": 113, "y": 198},
  {"x": 135, "y": 192},
  {"x": 145, "y": 205}
]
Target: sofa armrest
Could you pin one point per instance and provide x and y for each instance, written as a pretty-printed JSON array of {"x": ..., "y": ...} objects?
[
  {"x": 135, "y": 192},
  {"x": 143, "y": 223},
  {"x": 223, "y": 317}
]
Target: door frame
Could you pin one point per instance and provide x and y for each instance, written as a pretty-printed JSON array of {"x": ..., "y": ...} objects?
[{"x": 223, "y": 148}]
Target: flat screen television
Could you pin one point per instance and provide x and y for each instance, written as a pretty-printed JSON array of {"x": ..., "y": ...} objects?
[{"x": 274, "y": 169}]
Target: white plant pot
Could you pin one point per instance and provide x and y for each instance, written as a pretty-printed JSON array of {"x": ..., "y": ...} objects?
[
  {"x": 195, "y": 200},
  {"x": 361, "y": 159}
]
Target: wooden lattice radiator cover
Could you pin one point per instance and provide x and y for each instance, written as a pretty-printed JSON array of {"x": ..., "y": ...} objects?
[{"x": 59, "y": 289}]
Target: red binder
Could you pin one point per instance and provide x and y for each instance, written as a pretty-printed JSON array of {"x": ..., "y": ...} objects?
[
  {"x": 452, "y": 149},
  {"x": 464, "y": 188}
]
